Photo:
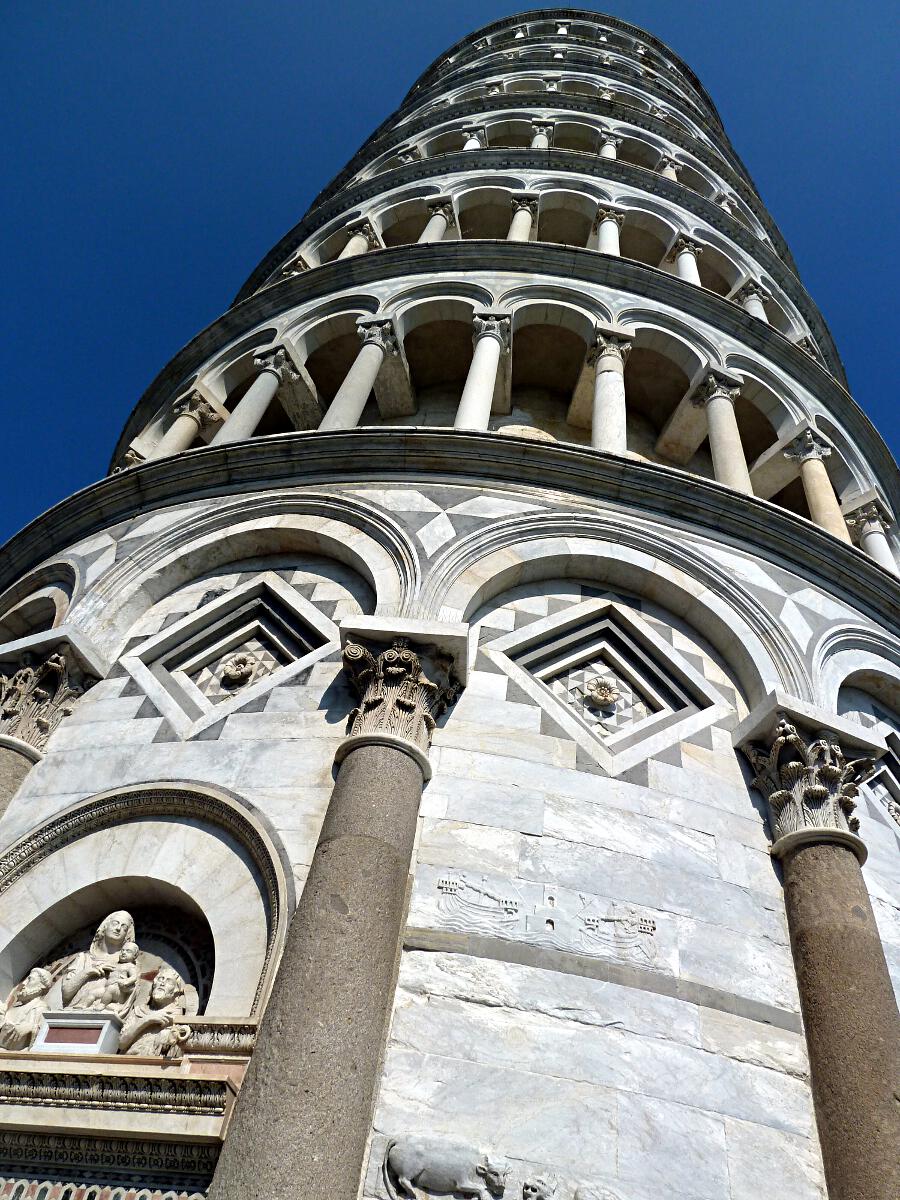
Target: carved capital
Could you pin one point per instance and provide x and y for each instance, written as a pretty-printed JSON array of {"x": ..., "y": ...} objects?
[
  {"x": 715, "y": 385},
  {"x": 752, "y": 288},
  {"x": 474, "y": 131},
  {"x": 808, "y": 445},
  {"x": 869, "y": 512},
  {"x": 606, "y": 344},
  {"x": 526, "y": 200},
  {"x": 198, "y": 408},
  {"x": 808, "y": 346},
  {"x": 401, "y": 691},
  {"x": 131, "y": 458},
  {"x": 36, "y": 697},
  {"x": 294, "y": 266},
  {"x": 607, "y": 95},
  {"x": 552, "y": 83},
  {"x": 277, "y": 360},
  {"x": 495, "y": 325},
  {"x": 668, "y": 163},
  {"x": 380, "y": 332},
  {"x": 409, "y": 154},
  {"x": 684, "y": 245},
  {"x": 608, "y": 214},
  {"x": 444, "y": 206},
  {"x": 610, "y": 139},
  {"x": 364, "y": 228},
  {"x": 544, "y": 127},
  {"x": 807, "y": 781}
]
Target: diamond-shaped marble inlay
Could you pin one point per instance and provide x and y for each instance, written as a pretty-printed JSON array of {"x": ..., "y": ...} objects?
[{"x": 603, "y": 708}]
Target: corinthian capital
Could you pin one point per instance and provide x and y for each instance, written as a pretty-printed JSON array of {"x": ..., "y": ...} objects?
[
  {"x": 609, "y": 343},
  {"x": 808, "y": 445},
  {"x": 277, "y": 360},
  {"x": 682, "y": 245},
  {"x": 605, "y": 213},
  {"x": 752, "y": 288},
  {"x": 380, "y": 332},
  {"x": 444, "y": 206},
  {"x": 36, "y": 697},
  {"x": 716, "y": 383},
  {"x": 528, "y": 200},
  {"x": 491, "y": 324},
  {"x": 198, "y": 408}
]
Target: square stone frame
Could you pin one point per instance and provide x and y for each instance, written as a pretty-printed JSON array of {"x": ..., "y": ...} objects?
[
  {"x": 165, "y": 692},
  {"x": 660, "y": 733}
]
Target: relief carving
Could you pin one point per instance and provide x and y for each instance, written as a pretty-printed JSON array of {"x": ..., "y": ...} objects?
[
  {"x": 24, "y": 1011},
  {"x": 539, "y": 1187},
  {"x": 34, "y": 699},
  {"x": 446, "y": 1168}
]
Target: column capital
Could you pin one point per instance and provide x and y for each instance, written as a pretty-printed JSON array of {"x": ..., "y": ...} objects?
[
  {"x": 682, "y": 245},
  {"x": 724, "y": 201},
  {"x": 607, "y": 212},
  {"x": 409, "y": 154},
  {"x": 442, "y": 205},
  {"x": 800, "y": 757},
  {"x": 529, "y": 200},
  {"x": 540, "y": 125},
  {"x": 752, "y": 288},
  {"x": 198, "y": 408},
  {"x": 608, "y": 138},
  {"x": 808, "y": 445},
  {"x": 363, "y": 226},
  {"x": 613, "y": 343},
  {"x": 660, "y": 113},
  {"x": 295, "y": 265},
  {"x": 552, "y": 82},
  {"x": 380, "y": 332},
  {"x": 667, "y": 161},
  {"x": 39, "y": 690},
  {"x": 276, "y": 360},
  {"x": 475, "y": 131},
  {"x": 491, "y": 324},
  {"x": 607, "y": 95},
  {"x": 716, "y": 383},
  {"x": 808, "y": 346},
  {"x": 867, "y": 509}
]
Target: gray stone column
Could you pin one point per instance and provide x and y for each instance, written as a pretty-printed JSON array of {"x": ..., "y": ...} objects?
[
  {"x": 362, "y": 238},
  {"x": 685, "y": 254},
  {"x": 440, "y": 219},
  {"x": 717, "y": 395},
  {"x": 274, "y": 366},
  {"x": 608, "y": 425},
  {"x": 607, "y": 224},
  {"x": 752, "y": 297},
  {"x": 543, "y": 132},
  {"x": 609, "y": 144},
  {"x": 849, "y": 1012},
  {"x": 378, "y": 340},
  {"x": 192, "y": 413},
  {"x": 869, "y": 520},
  {"x": 302, "y": 1118},
  {"x": 668, "y": 168},
  {"x": 524, "y": 207},
  {"x": 491, "y": 338},
  {"x": 810, "y": 449}
]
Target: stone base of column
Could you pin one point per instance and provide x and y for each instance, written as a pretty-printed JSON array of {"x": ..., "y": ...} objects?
[
  {"x": 851, "y": 1020},
  {"x": 302, "y": 1120}
]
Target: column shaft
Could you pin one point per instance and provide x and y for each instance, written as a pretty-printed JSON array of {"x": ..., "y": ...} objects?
[
  {"x": 540, "y": 141},
  {"x": 823, "y": 503},
  {"x": 686, "y": 266},
  {"x": 347, "y": 407},
  {"x": 874, "y": 541},
  {"x": 357, "y": 244},
  {"x": 608, "y": 237},
  {"x": 608, "y": 149},
  {"x": 729, "y": 463},
  {"x": 435, "y": 228},
  {"x": 752, "y": 303},
  {"x": 474, "y": 410},
  {"x": 608, "y": 428},
  {"x": 177, "y": 438},
  {"x": 520, "y": 225},
  {"x": 303, "y": 1116},
  {"x": 249, "y": 410},
  {"x": 850, "y": 1018}
]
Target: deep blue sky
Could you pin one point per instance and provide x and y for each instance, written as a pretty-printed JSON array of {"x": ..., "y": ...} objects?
[{"x": 154, "y": 152}]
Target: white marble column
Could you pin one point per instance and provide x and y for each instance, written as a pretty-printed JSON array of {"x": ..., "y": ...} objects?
[
  {"x": 685, "y": 254},
  {"x": 607, "y": 224},
  {"x": 608, "y": 424},
  {"x": 717, "y": 395},
  {"x": 542, "y": 132},
  {"x": 192, "y": 413},
  {"x": 378, "y": 340},
  {"x": 870, "y": 522},
  {"x": 551, "y": 82},
  {"x": 608, "y": 145},
  {"x": 441, "y": 219},
  {"x": 524, "y": 208},
  {"x": 473, "y": 139},
  {"x": 810, "y": 450},
  {"x": 491, "y": 339},
  {"x": 668, "y": 168},
  {"x": 752, "y": 297},
  {"x": 274, "y": 366},
  {"x": 362, "y": 238}
]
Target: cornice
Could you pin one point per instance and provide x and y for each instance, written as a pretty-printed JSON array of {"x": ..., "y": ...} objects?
[
  {"x": 558, "y": 162},
  {"x": 570, "y": 14},
  {"x": 533, "y": 259},
  {"x": 380, "y": 454}
]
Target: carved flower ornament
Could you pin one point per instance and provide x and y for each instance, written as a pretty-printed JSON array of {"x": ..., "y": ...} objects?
[
  {"x": 602, "y": 693},
  {"x": 238, "y": 670}
]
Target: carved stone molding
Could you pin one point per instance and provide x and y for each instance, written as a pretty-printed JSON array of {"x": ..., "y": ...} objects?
[
  {"x": 114, "y": 1160},
  {"x": 215, "y": 1037},
  {"x": 808, "y": 782},
  {"x": 402, "y": 691},
  {"x": 54, "y": 1189},
  {"x": 379, "y": 331},
  {"x": 187, "y": 1095},
  {"x": 808, "y": 445},
  {"x": 35, "y": 698}
]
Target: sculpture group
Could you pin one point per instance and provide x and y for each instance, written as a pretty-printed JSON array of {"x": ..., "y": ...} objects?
[{"x": 110, "y": 977}]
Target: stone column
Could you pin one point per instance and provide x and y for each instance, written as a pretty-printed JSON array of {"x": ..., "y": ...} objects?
[
  {"x": 849, "y": 1012},
  {"x": 543, "y": 132},
  {"x": 474, "y": 139},
  {"x": 302, "y": 1119},
  {"x": 752, "y": 297},
  {"x": 378, "y": 339},
  {"x": 192, "y": 413},
  {"x": 810, "y": 449},
  {"x": 491, "y": 338},
  {"x": 869, "y": 521},
  {"x": 607, "y": 224},
  {"x": 608, "y": 144},
  {"x": 608, "y": 425},
  {"x": 668, "y": 168},
  {"x": 724, "y": 202},
  {"x": 685, "y": 254},
  {"x": 717, "y": 395},
  {"x": 440, "y": 220},
  {"x": 274, "y": 366},
  {"x": 362, "y": 238},
  {"x": 524, "y": 207},
  {"x": 551, "y": 82}
]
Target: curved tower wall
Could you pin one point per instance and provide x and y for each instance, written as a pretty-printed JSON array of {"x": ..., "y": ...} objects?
[{"x": 534, "y": 387}]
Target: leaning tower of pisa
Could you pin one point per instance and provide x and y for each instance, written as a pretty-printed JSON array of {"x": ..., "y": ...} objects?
[{"x": 455, "y": 752}]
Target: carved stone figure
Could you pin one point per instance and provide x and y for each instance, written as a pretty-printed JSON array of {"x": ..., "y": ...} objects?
[
  {"x": 97, "y": 962},
  {"x": 24, "y": 1010},
  {"x": 238, "y": 670},
  {"x": 34, "y": 699},
  {"x": 152, "y": 1027},
  {"x": 602, "y": 692},
  {"x": 444, "y": 1167},
  {"x": 115, "y": 993},
  {"x": 540, "y": 1187}
]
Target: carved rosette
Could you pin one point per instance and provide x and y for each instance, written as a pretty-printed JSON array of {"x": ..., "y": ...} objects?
[
  {"x": 808, "y": 782},
  {"x": 34, "y": 699},
  {"x": 400, "y": 694}
]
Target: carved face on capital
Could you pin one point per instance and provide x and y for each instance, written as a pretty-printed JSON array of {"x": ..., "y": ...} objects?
[{"x": 166, "y": 988}]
